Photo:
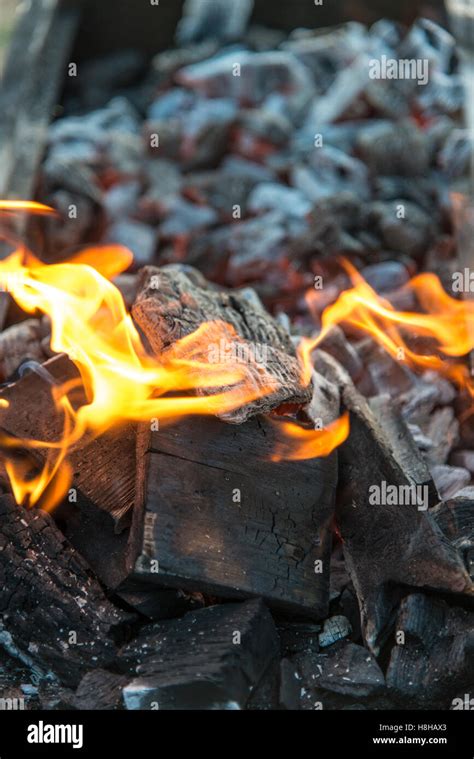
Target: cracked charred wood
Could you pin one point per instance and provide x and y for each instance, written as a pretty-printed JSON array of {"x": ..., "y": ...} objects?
[
  {"x": 214, "y": 658},
  {"x": 390, "y": 539},
  {"x": 100, "y": 689},
  {"x": 433, "y": 660},
  {"x": 54, "y": 614},
  {"x": 215, "y": 514},
  {"x": 104, "y": 468},
  {"x": 175, "y": 300}
]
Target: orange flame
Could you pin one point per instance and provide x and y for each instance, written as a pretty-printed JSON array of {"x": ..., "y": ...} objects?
[
  {"x": 444, "y": 319},
  {"x": 300, "y": 443}
]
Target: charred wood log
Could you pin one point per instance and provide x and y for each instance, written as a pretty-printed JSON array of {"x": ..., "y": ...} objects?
[
  {"x": 174, "y": 301},
  {"x": 104, "y": 468},
  {"x": 390, "y": 539},
  {"x": 210, "y": 659},
  {"x": 433, "y": 660},
  {"x": 54, "y": 613}
]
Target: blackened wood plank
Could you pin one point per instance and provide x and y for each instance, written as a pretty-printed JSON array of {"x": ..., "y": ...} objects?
[{"x": 220, "y": 517}]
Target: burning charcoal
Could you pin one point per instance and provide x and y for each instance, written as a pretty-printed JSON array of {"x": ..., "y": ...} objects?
[
  {"x": 402, "y": 226},
  {"x": 228, "y": 187},
  {"x": 456, "y": 155},
  {"x": 443, "y": 431},
  {"x": 249, "y": 245},
  {"x": 327, "y": 52},
  {"x": 213, "y": 19},
  {"x": 328, "y": 680},
  {"x": 138, "y": 237},
  {"x": 443, "y": 91},
  {"x": 450, "y": 479},
  {"x": 464, "y": 459},
  {"x": 194, "y": 662},
  {"x": 165, "y": 64},
  {"x": 335, "y": 628},
  {"x": 191, "y": 528},
  {"x": 339, "y": 578},
  {"x": 386, "y": 373},
  {"x": 454, "y": 517},
  {"x": 121, "y": 199},
  {"x": 394, "y": 148},
  {"x": 434, "y": 659},
  {"x": 429, "y": 390},
  {"x": 184, "y": 218},
  {"x": 79, "y": 217},
  {"x": 389, "y": 541},
  {"x": 19, "y": 342},
  {"x": 125, "y": 153},
  {"x": 164, "y": 181},
  {"x": 261, "y": 74},
  {"x": 386, "y": 276},
  {"x": 39, "y": 611},
  {"x": 268, "y": 196},
  {"x": 261, "y": 124},
  {"x": 330, "y": 172},
  {"x": 178, "y": 306},
  {"x": 341, "y": 349}
]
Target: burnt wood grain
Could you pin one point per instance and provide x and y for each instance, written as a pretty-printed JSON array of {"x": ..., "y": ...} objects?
[{"x": 213, "y": 513}]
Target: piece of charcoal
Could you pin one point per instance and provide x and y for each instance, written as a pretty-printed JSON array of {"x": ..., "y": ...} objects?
[
  {"x": 433, "y": 660},
  {"x": 267, "y": 197},
  {"x": 388, "y": 543},
  {"x": 223, "y": 20},
  {"x": 394, "y": 148},
  {"x": 183, "y": 218},
  {"x": 296, "y": 637},
  {"x": 100, "y": 690},
  {"x": 336, "y": 344},
  {"x": 454, "y": 517},
  {"x": 210, "y": 659},
  {"x": 450, "y": 479},
  {"x": 386, "y": 276},
  {"x": 402, "y": 226},
  {"x": 329, "y": 172},
  {"x": 137, "y": 237},
  {"x": 443, "y": 431},
  {"x": 334, "y": 629},
  {"x": 261, "y": 74},
  {"x": 464, "y": 459},
  {"x": 347, "y": 670},
  {"x": 289, "y": 695},
  {"x": 183, "y": 301},
  {"x": 54, "y": 612}
]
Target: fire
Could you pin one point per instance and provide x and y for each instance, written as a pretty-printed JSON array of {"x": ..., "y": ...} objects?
[
  {"x": 299, "y": 443},
  {"x": 123, "y": 383},
  {"x": 90, "y": 323},
  {"x": 442, "y": 318}
]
